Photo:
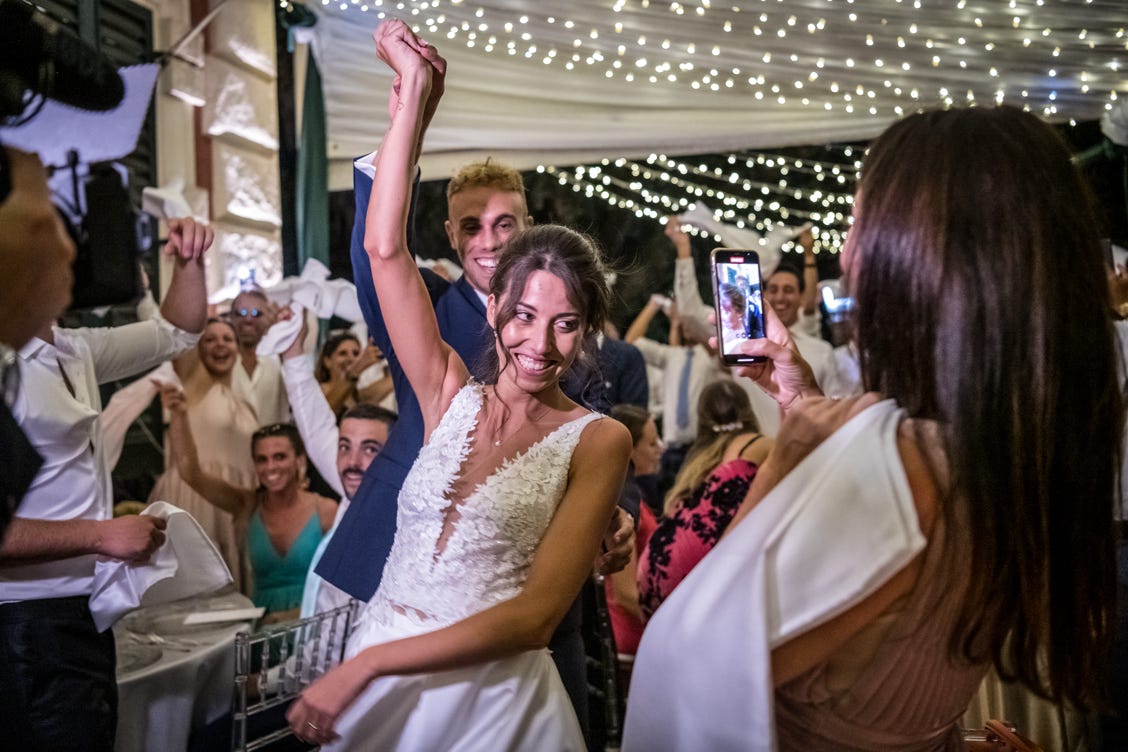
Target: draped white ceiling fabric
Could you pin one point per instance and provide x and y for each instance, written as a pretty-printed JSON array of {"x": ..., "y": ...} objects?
[{"x": 574, "y": 82}]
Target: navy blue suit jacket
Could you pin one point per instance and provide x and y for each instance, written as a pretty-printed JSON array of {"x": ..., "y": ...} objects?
[{"x": 354, "y": 559}]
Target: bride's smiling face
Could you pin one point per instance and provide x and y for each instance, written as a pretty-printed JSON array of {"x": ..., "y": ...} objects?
[{"x": 544, "y": 336}]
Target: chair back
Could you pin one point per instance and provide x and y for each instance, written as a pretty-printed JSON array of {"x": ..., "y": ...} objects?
[{"x": 274, "y": 665}]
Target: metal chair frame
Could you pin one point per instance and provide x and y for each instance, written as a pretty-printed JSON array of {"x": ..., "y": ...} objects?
[{"x": 292, "y": 656}]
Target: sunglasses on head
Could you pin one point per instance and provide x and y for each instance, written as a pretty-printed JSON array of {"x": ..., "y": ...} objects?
[
  {"x": 274, "y": 429},
  {"x": 247, "y": 312}
]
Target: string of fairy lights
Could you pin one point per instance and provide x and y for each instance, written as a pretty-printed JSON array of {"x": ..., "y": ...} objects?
[
  {"x": 837, "y": 58},
  {"x": 1030, "y": 53},
  {"x": 732, "y": 197}
]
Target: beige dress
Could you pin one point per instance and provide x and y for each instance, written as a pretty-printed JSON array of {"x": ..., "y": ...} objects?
[
  {"x": 894, "y": 686},
  {"x": 222, "y": 424}
]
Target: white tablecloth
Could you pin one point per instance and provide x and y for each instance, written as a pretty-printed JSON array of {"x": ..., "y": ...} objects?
[{"x": 161, "y": 700}]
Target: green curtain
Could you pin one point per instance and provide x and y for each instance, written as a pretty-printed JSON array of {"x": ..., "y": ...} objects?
[{"x": 313, "y": 174}]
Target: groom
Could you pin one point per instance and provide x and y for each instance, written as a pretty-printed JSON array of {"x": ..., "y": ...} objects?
[{"x": 486, "y": 205}]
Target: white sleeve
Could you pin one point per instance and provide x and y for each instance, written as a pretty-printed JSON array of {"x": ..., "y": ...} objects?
[
  {"x": 315, "y": 421},
  {"x": 691, "y": 308},
  {"x": 123, "y": 351},
  {"x": 364, "y": 164},
  {"x": 654, "y": 353}
]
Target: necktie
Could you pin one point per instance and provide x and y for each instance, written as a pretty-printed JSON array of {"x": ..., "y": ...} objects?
[{"x": 683, "y": 391}]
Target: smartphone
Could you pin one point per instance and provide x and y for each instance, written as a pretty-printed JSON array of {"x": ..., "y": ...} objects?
[{"x": 739, "y": 302}]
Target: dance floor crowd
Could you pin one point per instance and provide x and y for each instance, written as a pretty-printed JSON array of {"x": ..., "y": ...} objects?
[{"x": 828, "y": 547}]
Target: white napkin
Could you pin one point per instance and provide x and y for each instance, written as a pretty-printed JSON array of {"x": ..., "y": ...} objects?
[
  {"x": 282, "y": 334},
  {"x": 187, "y": 564},
  {"x": 767, "y": 246},
  {"x": 314, "y": 290}
]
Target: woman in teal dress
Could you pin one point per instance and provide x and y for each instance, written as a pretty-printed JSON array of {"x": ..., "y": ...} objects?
[{"x": 280, "y": 522}]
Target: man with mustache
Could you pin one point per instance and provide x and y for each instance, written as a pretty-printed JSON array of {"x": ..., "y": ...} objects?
[{"x": 341, "y": 453}]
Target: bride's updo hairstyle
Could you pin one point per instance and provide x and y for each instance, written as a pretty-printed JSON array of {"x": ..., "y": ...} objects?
[
  {"x": 570, "y": 256},
  {"x": 982, "y": 304}
]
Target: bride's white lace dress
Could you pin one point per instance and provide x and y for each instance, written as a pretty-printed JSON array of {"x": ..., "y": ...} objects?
[{"x": 431, "y": 580}]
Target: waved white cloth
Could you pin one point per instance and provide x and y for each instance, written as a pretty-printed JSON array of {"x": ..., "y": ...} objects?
[
  {"x": 514, "y": 703},
  {"x": 314, "y": 290},
  {"x": 835, "y": 529},
  {"x": 1114, "y": 123},
  {"x": 767, "y": 246},
  {"x": 187, "y": 564},
  {"x": 451, "y": 269},
  {"x": 167, "y": 201},
  {"x": 127, "y": 404},
  {"x": 278, "y": 338}
]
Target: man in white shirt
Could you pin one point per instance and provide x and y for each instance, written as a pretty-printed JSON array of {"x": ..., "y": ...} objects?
[
  {"x": 57, "y": 672},
  {"x": 35, "y": 287},
  {"x": 686, "y": 370},
  {"x": 341, "y": 454},
  {"x": 784, "y": 292},
  {"x": 257, "y": 380}
]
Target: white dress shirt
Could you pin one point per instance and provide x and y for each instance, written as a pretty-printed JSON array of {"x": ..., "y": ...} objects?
[
  {"x": 703, "y": 370},
  {"x": 74, "y": 482},
  {"x": 263, "y": 389}
]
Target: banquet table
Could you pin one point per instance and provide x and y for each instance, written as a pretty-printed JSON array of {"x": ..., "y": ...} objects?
[{"x": 174, "y": 678}]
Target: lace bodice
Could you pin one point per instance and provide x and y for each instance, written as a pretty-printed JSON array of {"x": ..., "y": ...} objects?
[{"x": 486, "y": 557}]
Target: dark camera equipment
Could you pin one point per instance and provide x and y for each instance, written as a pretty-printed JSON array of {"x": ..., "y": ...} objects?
[{"x": 41, "y": 60}]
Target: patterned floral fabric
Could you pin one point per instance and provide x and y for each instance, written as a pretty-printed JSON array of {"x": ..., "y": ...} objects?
[{"x": 682, "y": 539}]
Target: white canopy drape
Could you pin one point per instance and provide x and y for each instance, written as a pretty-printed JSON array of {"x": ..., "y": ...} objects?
[{"x": 569, "y": 82}]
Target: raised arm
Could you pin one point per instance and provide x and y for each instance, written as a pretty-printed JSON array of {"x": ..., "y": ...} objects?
[
  {"x": 560, "y": 566},
  {"x": 434, "y": 370},
  {"x": 215, "y": 490},
  {"x": 315, "y": 420},
  {"x": 691, "y": 307},
  {"x": 810, "y": 298},
  {"x": 185, "y": 302}
]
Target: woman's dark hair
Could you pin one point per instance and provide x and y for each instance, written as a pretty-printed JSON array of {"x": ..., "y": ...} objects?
[
  {"x": 289, "y": 430},
  {"x": 982, "y": 305},
  {"x": 566, "y": 254},
  {"x": 634, "y": 418},
  {"x": 320, "y": 370},
  {"x": 368, "y": 411}
]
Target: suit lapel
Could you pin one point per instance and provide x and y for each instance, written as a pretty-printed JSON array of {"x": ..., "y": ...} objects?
[{"x": 467, "y": 291}]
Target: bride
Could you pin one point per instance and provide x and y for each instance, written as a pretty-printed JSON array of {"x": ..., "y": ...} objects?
[{"x": 501, "y": 516}]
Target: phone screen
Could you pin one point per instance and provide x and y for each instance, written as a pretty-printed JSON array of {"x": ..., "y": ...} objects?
[{"x": 739, "y": 303}]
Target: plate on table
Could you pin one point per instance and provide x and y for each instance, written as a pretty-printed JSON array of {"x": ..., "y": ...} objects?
[
  {"x": 163, "y": 624},
  {"x": 134, "y": 657},
  {"x": 167, "y": 620}
]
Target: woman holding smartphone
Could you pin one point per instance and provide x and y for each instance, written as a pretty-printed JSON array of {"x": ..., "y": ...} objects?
[{"x": 959, "y": 518}]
